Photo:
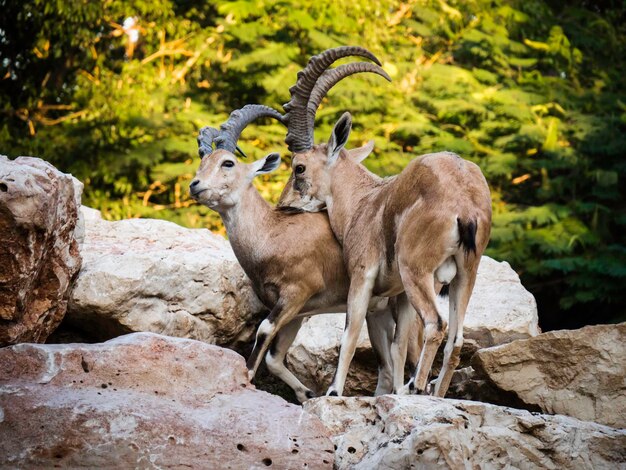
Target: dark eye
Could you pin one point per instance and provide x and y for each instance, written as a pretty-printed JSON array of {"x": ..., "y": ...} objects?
[
  {"x": 300, "y": 169},
  {"x": 228, "y": 164}
]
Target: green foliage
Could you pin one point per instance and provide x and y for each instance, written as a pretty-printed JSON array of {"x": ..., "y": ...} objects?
[{"x": 532, "y": 91}]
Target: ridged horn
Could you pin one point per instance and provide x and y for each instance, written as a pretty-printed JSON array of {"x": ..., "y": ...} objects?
[
  {"x": 299, "y": 133},
  {"x": 330, "y": 78},
  {"x": 237, "y": 122},
  {"x": 227, "y": 136},
  {"x": 206, "y": 136}
]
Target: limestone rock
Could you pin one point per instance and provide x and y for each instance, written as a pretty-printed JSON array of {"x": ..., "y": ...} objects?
[
  {"x": 146, "y": 401},
  {"x": 39, "y": 254},
  {"x": 391, "y": 431},
  {"x": 500, "y": 310},
  {"x": 153, "y": 275},
  {"x": 580, "y": 373}
]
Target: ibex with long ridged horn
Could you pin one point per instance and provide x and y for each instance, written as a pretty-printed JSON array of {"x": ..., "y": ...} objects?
[
  {"x": 293, "y": 260},
  {"x": 430, "y": 224}
]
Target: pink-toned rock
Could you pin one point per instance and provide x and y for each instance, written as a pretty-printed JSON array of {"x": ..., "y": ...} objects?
[
  {"x": 38, "y": 250},
  {"x": 147, "y": 401}
]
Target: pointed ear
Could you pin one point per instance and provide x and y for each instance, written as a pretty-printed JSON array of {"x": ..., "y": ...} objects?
[
  {"x": 339, "y": 137},
  {"x": 360, "y": 153},
  {"x": 266, "y": 165}
]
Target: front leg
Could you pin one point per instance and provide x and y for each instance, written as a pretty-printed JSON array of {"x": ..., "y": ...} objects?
[
  {"x": 361, "y": 285},
  {"x": 283, "y": 312}
]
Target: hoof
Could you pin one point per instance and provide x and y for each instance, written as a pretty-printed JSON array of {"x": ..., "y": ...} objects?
[
  {"x": 305, "y": 395},
  {"x": 332, "y": 393}
]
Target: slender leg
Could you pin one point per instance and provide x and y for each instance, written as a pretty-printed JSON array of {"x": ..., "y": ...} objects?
[
  {"x": 420, "y": 290},
  {"x": 283, "y": 312},
  {"x": 460, "y": 291},
  {"x": 402, "y": 338},
  {"x": 275, "y": 359},
  {"x": 414, "y": 349},
  {"x": 359, "y": 296},
  {"x": 380, "y": 326}
]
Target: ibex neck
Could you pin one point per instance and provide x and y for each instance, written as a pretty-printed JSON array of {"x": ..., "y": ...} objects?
[
  {"x": 351, "y": 182},
  {"x": 246, "y": 221}
]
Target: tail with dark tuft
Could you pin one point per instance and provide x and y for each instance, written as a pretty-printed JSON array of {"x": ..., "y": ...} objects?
[{"x": 467, "y": 235}]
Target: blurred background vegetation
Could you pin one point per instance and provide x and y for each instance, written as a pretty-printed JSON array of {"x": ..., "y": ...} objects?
[{"x": 532, "y": 90}]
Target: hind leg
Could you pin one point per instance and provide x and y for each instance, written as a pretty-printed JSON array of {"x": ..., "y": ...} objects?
[
  {"x": 275, "y": 359},
  {"x": 419, "y": 287},
  {"x": 460, "y": 291}
]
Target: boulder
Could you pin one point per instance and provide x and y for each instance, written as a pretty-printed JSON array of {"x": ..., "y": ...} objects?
[
  {"x": 39, "y": 254},
  {"x": 500, "y": 310},
  {"x": 393, "y": 431},
  {"x": 153, "y": 275},
  {"x": 147, "y": 401},
  {"x": 579, "y": 373}
]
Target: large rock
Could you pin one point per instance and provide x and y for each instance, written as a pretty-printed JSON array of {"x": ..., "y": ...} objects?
[
  {"x": 153, "y": 275},
  {"x": 38, "y": 250},
  {"x": 392, "y": 432},
  {"x": 146, "y": 401},
  {"x": 500, "y": 310},
  {"x": 580, "y": 373}
]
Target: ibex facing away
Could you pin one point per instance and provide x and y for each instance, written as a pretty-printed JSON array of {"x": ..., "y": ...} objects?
[{"x": 429, "y": 223}]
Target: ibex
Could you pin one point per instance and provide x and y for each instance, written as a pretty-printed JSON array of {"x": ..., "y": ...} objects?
[
  {"x": 293, "y": 259},
  {"x": 429, "y": 223}
]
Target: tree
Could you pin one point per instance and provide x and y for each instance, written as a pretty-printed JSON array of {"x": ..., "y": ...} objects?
[{"x": 532, "y": 91}]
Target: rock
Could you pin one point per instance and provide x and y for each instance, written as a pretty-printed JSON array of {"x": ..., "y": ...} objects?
[
  {"x": 146, "y": 401},
  {"x": 393, "y": 432},
  {"x": 153, "y": 275},
  {"x": 466, "y": 384},
  {"x": 580, "y": 373},
  {"x": 314, "y": 354},
  {"x": 39, "y": 254},
  {"x": 500, "y": 310}
]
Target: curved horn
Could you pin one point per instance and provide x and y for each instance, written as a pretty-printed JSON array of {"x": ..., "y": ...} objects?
[
  {"x": 237, "y": 122},
  {"x": 330, "y": 79},
  {"x": 299, "y": 133},
  {"x": 206, "y": 136}
]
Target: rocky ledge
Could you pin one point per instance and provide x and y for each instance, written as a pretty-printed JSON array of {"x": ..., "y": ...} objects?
[{"x": 406, "y": 432}]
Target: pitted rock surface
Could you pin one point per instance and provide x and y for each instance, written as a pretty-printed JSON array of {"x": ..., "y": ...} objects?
[
  {"x": 147, "y": 401},
  {"x": 421, "y": 432}
]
